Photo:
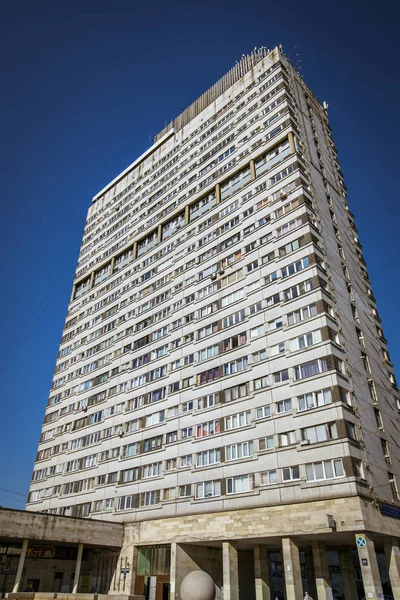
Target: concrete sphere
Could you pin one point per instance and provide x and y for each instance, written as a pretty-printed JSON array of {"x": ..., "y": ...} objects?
[{"x": 197, "y": 585}]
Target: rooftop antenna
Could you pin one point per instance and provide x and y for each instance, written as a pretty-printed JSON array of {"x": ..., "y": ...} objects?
[{"x": 151, "y": 139}]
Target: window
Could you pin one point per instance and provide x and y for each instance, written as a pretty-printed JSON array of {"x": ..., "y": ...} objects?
[
  {"x": 207, "y": 376},
  {"x": 295, "y": 267},
  {"x": 327, "y": 469},
  {"x": 281, "y": 376},
  {"x": 207, "y": 401},
  {"x": 275, "y": 324},
  {"x": 206, "y": 291},
  {"x": 238, "y": 484},
  {"x": 186, "y": 461},
  {"x": 254, "y": 308},
  {"x": 186, "y": 432},
  {"x": 283, "y": 406},
  {"x": 170, "y": 494},
  {"x": 385, "y": 450},
  {"x": 290, "y": 473},
  {"x": 208, "y": 310},
  {"x": 230, "y": 260},
  {"x": 297, "y": 290},
  {"x": 209, "y": 428},
  {"x": 185, "y": 491},
  {"x": 310, "y": 369},
  {"x": 149, "y": 498},
  {"x": 156, "y": 335},
  {"x": 266, "y": 443},
  {"x": 236, "y": 451},
  {"x": 320, "y": 433},
  {"x": 129, "y": 475},
  {"x": 288, "y": 438},
  {"x": 157, "y": 373},
  {"x": 271, "y": 277},
  {"x": 152, "y": 444},
  {"x": 171, "y": 437},
  {"x": 378, "y": 418},
  {"x": 303, "y": 341},
  {"x": 271, "y": 300},
  {"x": 235, "y": 366},
  {"x": 152, "y": 470},
  {"x": 233, "y": 297},
  {"x": 351, "y": 430},
  {"x": 208, "y": 457},
  {"x": 208, "y": 353},
  {"x": 277, "y": 349},
  {"x": 263, "y": 412},
  {"x": 258, "y": 356},
  {"x": 208, "y": 489},
  {"x": 252, "y": 266},
  {"x": 237, "y": 317},
  {"x": 260, "y": 383},
  {"x": 256, "y": 331},
  {"x": 393, "y": 486},
  {"x": 170, "y": 464},
  {"x": 314, "y": 399},
  {"x": 286, "y": 227},
  {"x": 126, "y": 502},
  {"x": 365, "y": 361},
  {"x": 235, "y": 392},
  {"x": 207, "y": 330},
  {"x": 268, "y": 477},
  {"x": 131, "y": 449},
  {"x": 238, "y": 420}
]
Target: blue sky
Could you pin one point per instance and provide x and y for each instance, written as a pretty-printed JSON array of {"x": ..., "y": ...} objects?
[{"x": 84, "y": 85}]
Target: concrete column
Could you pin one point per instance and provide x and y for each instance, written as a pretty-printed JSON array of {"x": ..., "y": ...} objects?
[
  {"x": 369, "y": 568},
  {"x": 311, "y": 587},
  {"x": 73, "y": 293},
  {"x": 291, "y": 566},
  {"x": 134, "y": 250},
  {"x": 322, "y": 575},
  {"x": 77, "y": 569},
  {"x": 20, "y": 568},
  {"x": 261, "y": 573},
  {"x": 187, "y": 214},
  {"x": 218, "y": 193},
  {"x": 112, "y": 264},
  {"x": 230, "y": 571},
  {"x": 181, "y": 564},
  {"x": 392, "y": 553},
  {"x": 292, "y": 146},
  {"x": 173, "y": 575},
  {"x": 159, "y": 233},
  {"x": 347, "y": 575},
  {"x": 91, "y": 282},
  {"x": 252, "y": 170}
]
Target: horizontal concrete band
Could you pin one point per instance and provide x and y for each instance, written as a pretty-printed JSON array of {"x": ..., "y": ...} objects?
[
  {"x": 350, "y": 515},
  {"x": 56, "y": 596},
  {"x": 16, "y": 524}
]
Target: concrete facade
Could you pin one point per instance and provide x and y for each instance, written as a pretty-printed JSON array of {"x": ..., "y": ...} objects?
[
  {"x": 250, "y": 554},
  {"x": 223, "y": 386}
]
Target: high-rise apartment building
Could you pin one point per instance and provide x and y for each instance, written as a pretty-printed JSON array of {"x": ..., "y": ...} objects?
[{"x": 222, "y": 349}]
